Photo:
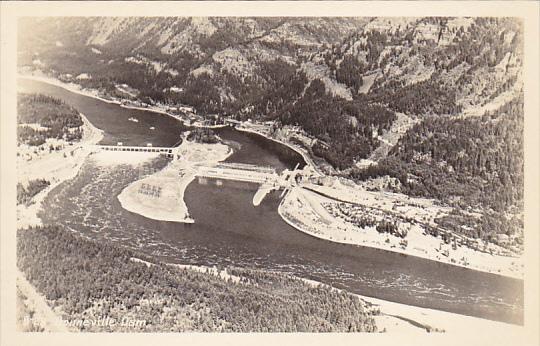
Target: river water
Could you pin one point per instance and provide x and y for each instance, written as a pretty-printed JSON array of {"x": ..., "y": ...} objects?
[{"x": 230, "y": 231}]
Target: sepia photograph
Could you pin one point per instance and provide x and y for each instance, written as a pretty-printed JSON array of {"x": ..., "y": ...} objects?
[{"x": 269, "y": 174}]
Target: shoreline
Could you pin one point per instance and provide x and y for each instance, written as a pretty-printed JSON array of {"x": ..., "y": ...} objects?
[
  {"x": 416, "y": 316},
  {"x": 179, "y": 214},
  {"x": 72, "y": 87},
  {"x": 369, "y": 299},
  {"x": 282, "y": 211},
  {"x": 170, "y": 205},
  {"x": 92, "y": 93},
  {"x": 27, "y": 216},
  {"x": 309, "y": 162},
  {"x": 76, "y": 170},
  {"x": 394, "y": 317},
  {"x": 77, "y": 89}
]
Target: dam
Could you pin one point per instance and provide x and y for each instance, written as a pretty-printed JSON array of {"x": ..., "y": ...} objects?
[
  {"x": 267, "y": 177},
  {"x": 168, "y": 151}
]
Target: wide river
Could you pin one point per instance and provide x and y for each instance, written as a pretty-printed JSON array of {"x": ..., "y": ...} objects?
[{"x": 230, "y": 231}]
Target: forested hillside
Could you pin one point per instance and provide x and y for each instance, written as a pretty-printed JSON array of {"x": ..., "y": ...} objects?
[
  {"x": 40, "y": 117},
  {"x": 344, "y": 129},
  {"x": 467, "y": 162},
  {"x": 89, "y": 280},
  {"x": 261, "y": 68},
  {"x": 341, "y": 80},
  {"x": 472, "y": 161}
]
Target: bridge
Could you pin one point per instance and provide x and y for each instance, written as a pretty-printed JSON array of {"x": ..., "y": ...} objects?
[{"x": 168, "y": 151}]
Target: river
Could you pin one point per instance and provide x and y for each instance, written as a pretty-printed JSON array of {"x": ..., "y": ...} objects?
[{"x": 230, "y": 231}]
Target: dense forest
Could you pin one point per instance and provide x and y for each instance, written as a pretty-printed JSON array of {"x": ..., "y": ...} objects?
[
  {"x": 87, "y": 279},
  {"x": 426, "y": 97},
  {"x": 344, "y": 129},
  {"x": 467, "y": 162},
  {"x": 479, "y": 159},
  {"x": 55, "y": 119},
  {"x": 350, "y": 72}
]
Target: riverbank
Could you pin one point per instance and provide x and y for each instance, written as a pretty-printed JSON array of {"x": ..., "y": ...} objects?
[
  {"x": 77, "y": 89},
  {"x": 314, "y": 214},
  {"x": 54, "y": 166},
  {"x": 421, "y": 212},
  {"x": 72, "y": 87},
  {"x": 305, "y": 156},
  {"x": 160, "y": 196},
  {"x": 406, "y": 319},
  {"x": 393, "y": 317}
]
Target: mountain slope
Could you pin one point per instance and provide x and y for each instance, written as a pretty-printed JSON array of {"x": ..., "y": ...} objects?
[{"x": 340, "y": 80}]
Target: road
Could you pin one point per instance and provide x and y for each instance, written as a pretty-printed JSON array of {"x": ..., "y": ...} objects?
[{"x": 48, "y": 319}]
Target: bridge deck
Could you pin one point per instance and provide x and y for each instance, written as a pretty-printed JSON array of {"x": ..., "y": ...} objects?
[{"x": 166, "y": 150}]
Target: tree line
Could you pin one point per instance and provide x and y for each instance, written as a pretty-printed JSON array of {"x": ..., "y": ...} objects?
[
  {"x": 88, "y": 279},
  {"x": 25, "y": 194},
  {"x": 57, "y": 119}
]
